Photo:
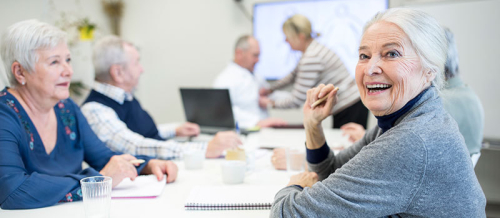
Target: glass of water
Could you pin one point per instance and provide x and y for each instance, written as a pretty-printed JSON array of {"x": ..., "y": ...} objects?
[{"x": 96, "y": 192}]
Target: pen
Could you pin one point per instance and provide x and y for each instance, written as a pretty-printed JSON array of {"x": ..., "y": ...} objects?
[
  {"x": 137, "y": 161},
  {"x": 237, "y": 128},
  {"x": 321, "y": 100}
]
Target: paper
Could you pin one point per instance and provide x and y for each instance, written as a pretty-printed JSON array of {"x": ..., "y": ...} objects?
[
  {"x": 231, "y": 197},
  {"x": 146, "y": 186}
]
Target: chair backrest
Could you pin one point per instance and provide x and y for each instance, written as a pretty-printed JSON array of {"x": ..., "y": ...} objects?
[{"x": 475, "y": 158}]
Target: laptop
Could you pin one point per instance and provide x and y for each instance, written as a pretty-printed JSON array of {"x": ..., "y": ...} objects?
[{"x": 209, "y": 108}]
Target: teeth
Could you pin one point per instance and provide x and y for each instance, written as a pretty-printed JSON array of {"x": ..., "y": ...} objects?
[{"x": 377, "y": 86}]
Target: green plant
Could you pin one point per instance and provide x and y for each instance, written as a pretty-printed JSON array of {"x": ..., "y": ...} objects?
[{"x": 86, "y": 25}]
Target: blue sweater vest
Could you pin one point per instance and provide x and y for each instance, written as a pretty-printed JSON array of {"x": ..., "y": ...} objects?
[{"x": 131, "y": 113}]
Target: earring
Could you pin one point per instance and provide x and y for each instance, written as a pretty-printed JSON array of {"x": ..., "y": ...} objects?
[{"x": 23, "y": 83}]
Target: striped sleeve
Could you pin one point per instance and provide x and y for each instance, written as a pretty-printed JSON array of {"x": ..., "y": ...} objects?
[
  {"x": 287, "y": 80},
  {"x": 309, "y": 70},
  {"x": 320, "y": 65},
  {"x": 115, "y": 134}
]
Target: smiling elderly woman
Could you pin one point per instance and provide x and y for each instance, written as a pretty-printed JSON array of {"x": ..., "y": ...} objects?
[
  {"x": 43, "y": 135},
  {"x": 414, "y": 163}
]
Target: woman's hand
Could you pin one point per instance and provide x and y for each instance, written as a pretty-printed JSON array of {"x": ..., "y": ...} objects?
[
  {"x": 315, "y": 137},
  {"x": 119, "y": 168},
  {"x": 314, "y": 116},
  {"x": 161, "y": 167},
  {"x": 279, "y": 158},
  {"x": 305, "y": 179},
  {"x": 353, "y": 130}
]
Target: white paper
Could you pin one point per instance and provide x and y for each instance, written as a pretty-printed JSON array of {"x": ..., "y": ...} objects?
[{"x": 142, "y": 187}]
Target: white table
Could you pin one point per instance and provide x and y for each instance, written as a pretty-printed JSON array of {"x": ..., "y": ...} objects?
[{"x": 171, "y": 202}]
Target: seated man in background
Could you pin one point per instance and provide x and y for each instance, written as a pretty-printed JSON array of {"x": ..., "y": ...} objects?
[
  {"x": 458, "y": 99},
  {"x": 117, "y": 117},
  {"x": 244, "y": 85}
]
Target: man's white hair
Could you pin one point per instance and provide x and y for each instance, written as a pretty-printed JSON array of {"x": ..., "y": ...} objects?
[
  {"x": 425, "y": 34},
  {"x": 242, "y": 42},
  {"x": 21, "y": 42},
  {"x": 108, "y": 51}
]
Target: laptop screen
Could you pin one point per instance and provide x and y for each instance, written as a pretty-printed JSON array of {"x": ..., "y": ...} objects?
[{"x": 208, "y": 107}]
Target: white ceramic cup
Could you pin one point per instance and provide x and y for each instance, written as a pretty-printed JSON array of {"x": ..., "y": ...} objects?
[
  {"x": 194, "y": 159},
  {"x": 96, "y": 192},
  {"x": 233, "y": 171}
]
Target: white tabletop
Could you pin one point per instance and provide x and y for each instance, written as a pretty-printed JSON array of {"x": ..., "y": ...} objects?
[{"x": 171, "y": 202}]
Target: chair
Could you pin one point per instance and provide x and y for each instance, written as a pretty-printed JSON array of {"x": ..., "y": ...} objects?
[{"x": 475, "y": 158}]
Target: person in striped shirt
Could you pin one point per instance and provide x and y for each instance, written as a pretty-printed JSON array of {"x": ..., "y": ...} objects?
[{"x": 318, "y": 65}]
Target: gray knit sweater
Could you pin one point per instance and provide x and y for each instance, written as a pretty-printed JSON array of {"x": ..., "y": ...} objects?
[{"x": 418, "y": 168}]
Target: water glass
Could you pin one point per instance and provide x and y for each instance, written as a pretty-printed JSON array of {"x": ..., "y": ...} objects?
[{"x": 96, "y": 192}]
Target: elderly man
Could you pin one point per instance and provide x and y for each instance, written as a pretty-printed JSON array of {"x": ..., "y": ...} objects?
[
  {"x": 117, "y": 117},
  {"x": 244, "y": 85}
]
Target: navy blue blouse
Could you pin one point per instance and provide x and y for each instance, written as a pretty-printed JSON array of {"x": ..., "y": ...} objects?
[{"x": 31, "y": 178}]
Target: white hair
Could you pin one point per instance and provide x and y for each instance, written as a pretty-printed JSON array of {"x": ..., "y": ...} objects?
[
  {"x": 21, "y": 42},
  {"x": 108, "y": 51},
  {"x": 426, "y": 36},
  {"x": 242, "y": 42}
]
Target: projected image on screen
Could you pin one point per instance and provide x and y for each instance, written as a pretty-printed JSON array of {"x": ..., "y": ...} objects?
[{"x": 340, "y": 23}]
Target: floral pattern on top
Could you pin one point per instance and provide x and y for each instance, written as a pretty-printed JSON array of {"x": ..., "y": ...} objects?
[
  {"x": 24, "y": 123},
  {"x": 70, "y": 197},
  {"x": 68, "y": 119},
  {"x": 3, "y": 93}
]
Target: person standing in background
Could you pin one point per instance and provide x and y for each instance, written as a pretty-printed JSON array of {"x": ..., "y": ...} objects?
[{"x": 318, "y": 65}]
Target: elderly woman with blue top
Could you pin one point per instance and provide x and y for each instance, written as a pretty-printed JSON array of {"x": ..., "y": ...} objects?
[
  {"x": 44, "y": 137},
  {"x": 415, "y": 162}
]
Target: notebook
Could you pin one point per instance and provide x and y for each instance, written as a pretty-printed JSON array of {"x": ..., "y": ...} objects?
[
  {"x": 146, "y": 186},
  {"x": 231, "y": 197},
  {"x": 209, "y": 108}
]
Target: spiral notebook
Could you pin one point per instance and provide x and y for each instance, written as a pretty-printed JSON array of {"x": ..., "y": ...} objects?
[{"x": 231, "y": 197}]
